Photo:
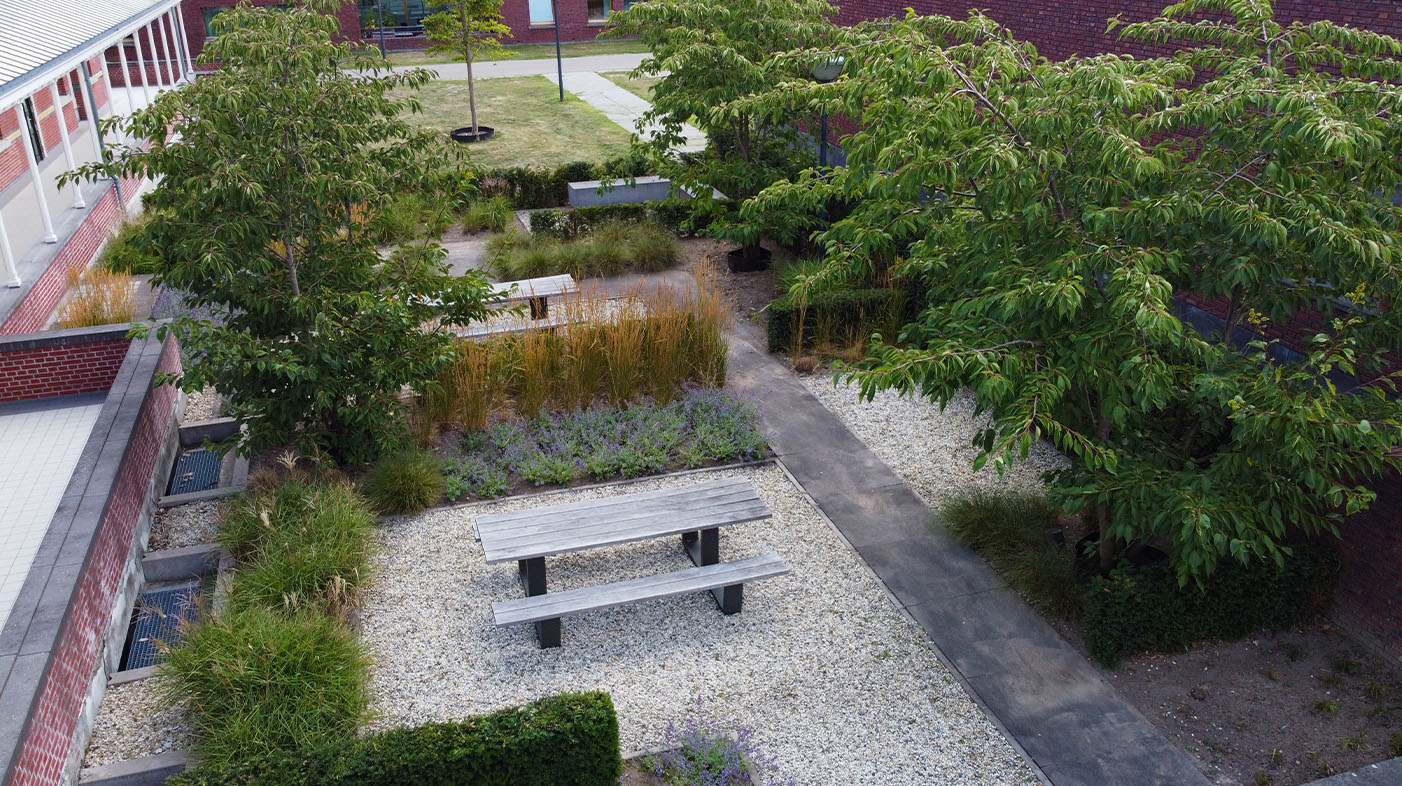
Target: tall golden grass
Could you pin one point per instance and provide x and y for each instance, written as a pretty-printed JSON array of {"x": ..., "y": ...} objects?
[
  {"x": 96, "y": 297},
  {"x": 655, "y": 342}
]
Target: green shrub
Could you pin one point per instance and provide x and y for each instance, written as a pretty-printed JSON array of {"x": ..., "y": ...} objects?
[
  {"x": 841, "y": 315},
  {"x": 612, "y": 248},
  {"x": 405, "y": 482},
  {"x": 302, "y": 545},
  {"x": 259, "y": 681},
  {"x": 493, "y": 214},
  {"x": 1014, "y": 533},
  {"x": 1140, "y": 608},
  {"x": 571, "y": 223},
  {"x": 527, "y": 188},
  {"x": 408, "y": 216},
  {"x": 131, "y": 251},
  {"x": 565, "y": 740}
]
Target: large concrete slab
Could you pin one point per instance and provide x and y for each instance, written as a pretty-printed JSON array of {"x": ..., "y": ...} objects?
[{"x": 1054, "y": 704}]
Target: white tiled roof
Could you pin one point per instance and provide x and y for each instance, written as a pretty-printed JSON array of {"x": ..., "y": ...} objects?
[{"x": 38, "y": 35}]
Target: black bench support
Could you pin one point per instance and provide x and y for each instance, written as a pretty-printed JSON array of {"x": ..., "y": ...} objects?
[
  {"x": 539, "y": 308},
  {"x": 547, "y": 632},
  {"x": 703, "y": 547}
]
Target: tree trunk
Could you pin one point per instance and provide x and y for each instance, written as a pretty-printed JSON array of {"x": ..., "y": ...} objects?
[{"x": 467, "y": 58}]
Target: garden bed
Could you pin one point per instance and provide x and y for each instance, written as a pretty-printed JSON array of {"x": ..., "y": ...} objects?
[
  {"x": 811, "y": 652},
  {"x": 1276, "y": 709}
]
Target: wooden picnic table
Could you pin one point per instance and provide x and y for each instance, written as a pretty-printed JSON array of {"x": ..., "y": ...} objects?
[
  {"x": 695, "y": 512},
  {"x": 535, "y": 291}
]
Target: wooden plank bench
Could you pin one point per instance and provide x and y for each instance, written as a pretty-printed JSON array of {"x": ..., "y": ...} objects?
[
  {"x": 695, "y": 512},
  {"x": 535, "y": 291},
  {"x": 727, "y": 577}
]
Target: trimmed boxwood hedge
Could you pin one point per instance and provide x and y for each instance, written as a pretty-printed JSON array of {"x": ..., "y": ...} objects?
[
  {"x": 1140, "y": 608},
  {"x": 571, "y": 223},
  {"x": 839, "y": 310},
  {"x": 565, "y": 740},
  {"x": 530, "y": 188}
]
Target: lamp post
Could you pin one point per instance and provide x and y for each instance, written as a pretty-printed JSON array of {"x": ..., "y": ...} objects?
[
  {"x": 380, "y": 9},
  {"x": 824, "y": 72},
  {"x": 559, "y": 60}
]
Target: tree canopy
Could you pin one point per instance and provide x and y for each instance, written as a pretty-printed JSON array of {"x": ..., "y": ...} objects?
[
  {"x": 708, "y": 54},
  {"x": 1062, "y": 215},
  {"x": 268, "y": 169},
  {"x": 469, "y": 29}
]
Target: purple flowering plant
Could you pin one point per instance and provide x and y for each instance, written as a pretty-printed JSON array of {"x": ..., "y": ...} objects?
[{"x": 704, "y": 751}]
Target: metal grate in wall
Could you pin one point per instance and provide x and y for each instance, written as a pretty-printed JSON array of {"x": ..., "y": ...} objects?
[
  {"x": 158, "y": 617},
  {"x": 195, "y": 470}
]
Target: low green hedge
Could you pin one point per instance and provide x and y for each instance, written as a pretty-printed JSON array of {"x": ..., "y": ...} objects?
[
  {"x": 837, "y": 312},
  {"x": 565, "y": 740},
  {"x": 531, "y": 188},
  {"x": 571, "y": 223},
  {"x": 1141, "y": 608}
]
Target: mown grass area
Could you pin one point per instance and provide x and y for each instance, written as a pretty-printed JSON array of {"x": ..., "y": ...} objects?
[
  {"x": 526, "y": 51},
  {"x": 533, "y": 127},
  {"x": 640, "y": 86}
]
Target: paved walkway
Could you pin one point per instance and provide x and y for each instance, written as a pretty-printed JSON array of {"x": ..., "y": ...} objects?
[
  {"x": 621, "y": 106},
  {"x": 1072, "y": 724},
  {"x": 488, "y": 69}
]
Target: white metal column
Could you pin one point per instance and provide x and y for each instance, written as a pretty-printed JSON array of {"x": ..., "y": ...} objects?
[
  {"x": 162, "y": 20},
  {"x": 9, "y": 256},
  {"x": 126, "y": 75},
  {"x": 185, "y": 43},
  {"x": 78, "y": 202},
  {"x": 141, "y": 67},
  {"x": 38, "y": 182}
]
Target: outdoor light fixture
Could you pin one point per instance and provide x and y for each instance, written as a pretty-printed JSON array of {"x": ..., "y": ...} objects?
[{"x": 825, "y": 71}]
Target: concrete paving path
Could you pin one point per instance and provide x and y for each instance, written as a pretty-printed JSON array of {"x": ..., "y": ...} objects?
[
  {"x": 1054, "y": 704},
  {"x": 488, "y": 69},
  {"x": 621, "y": 106}
]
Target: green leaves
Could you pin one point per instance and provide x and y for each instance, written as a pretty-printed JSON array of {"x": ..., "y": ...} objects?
[
  {"x": 270, "y": 169},
  {"x": 1058, "y": 217}
]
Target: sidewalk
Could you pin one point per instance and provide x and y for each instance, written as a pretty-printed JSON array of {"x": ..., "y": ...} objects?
[
  {"x": 621, "y": 106},
  {"x": 1052, "y": 703},
  {"x": 489, "y": 69}
]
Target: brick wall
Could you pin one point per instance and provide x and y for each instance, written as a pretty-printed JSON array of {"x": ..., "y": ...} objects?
[
  {"x": 12, "y": 163},
  {"x": 1061, "y": 28},
  {"x": 574, "y": 22},
  {"x": 193, "y": 11},
  {"x": 60, "y": 370},
  {"x": 1369, "y": 595},
  {"x": 33, "y": 312},
  {"x": 48, "y": 737}
]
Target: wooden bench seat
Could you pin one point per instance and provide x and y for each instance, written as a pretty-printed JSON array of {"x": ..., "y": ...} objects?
[
  {"x": 575, "y": 526},
  {"x": 536, "y": 291},
  {"x": 725, "y": 580}
]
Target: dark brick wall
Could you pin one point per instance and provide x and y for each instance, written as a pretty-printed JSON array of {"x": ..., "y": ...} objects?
[
  {"x": 61, "y": 369},
  {"x": 1369, "y": 595},
  {"x": 1061, "y": 28},
  {"x": 193, "y": 10}
]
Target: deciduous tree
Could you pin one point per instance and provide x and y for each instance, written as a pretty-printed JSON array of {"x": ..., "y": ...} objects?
[
  {"x": 267, "y": 169},
  {"x": 469, "y": 29}
]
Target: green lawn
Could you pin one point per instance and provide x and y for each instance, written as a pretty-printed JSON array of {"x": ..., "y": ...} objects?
[
  {"x": 640, "y": 86},
  {"x": 532, "y": 127},
  {"x": 526, "y": 51}
]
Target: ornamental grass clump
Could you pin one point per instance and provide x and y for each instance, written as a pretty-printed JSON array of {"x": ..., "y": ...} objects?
[
  {"x": 405, "y": 482},
  {"x": 488, "y": 215},
  {"x": 258, "y": 680},
  {"x": 305, "y": 544},
  {"x": 97, "y": 296}
]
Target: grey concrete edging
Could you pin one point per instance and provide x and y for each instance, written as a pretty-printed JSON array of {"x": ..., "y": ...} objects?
[
  {"x": 132, "y": 675},
  {"x": 193, "y": 435},
  {"x": 180, "y": 563},
  {"x": 146, "y": 771},
  {"x": 1383, "y": 773}
]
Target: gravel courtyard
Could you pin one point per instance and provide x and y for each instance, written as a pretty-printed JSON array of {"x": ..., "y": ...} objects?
[
  {"x": 820, "y": 663},
  {"x": 930, "y": 450}
]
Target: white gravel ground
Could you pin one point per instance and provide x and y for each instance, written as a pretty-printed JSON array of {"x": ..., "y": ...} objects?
[
  {"x": 820, "y": 663},
  {"x": 133, "y": 722},
  {"x": 185, "y": 525},
  {"x": 931, "y": 450},
  {"x": 202, "y": 405}
]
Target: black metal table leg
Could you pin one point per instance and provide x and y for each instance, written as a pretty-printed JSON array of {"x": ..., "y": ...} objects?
[
  {"x": 730, "y": 598},
  {"x": 539, "y": 308},
  {"x": 702, "y": 547}
]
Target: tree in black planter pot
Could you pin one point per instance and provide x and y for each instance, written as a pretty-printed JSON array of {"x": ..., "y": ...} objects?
[
  {"x": 710, "y": 54},
  {"x": 469, "y": 29}
]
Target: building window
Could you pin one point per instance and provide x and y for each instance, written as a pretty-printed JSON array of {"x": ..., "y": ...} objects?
[
  {"x": 542, "y": 12},
  {"x": 209, "y": 14},
  {"x": 31, "y": 126},
  {"x": 598, "y": 10}
]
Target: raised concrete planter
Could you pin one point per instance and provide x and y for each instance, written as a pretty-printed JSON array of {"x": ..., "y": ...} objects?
[
  {"x": 193, "y": 435},
  {"x": 649, "y": 188},
  {"x": 147, "y": 771},
  {"x": 182, "y": 563}
]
